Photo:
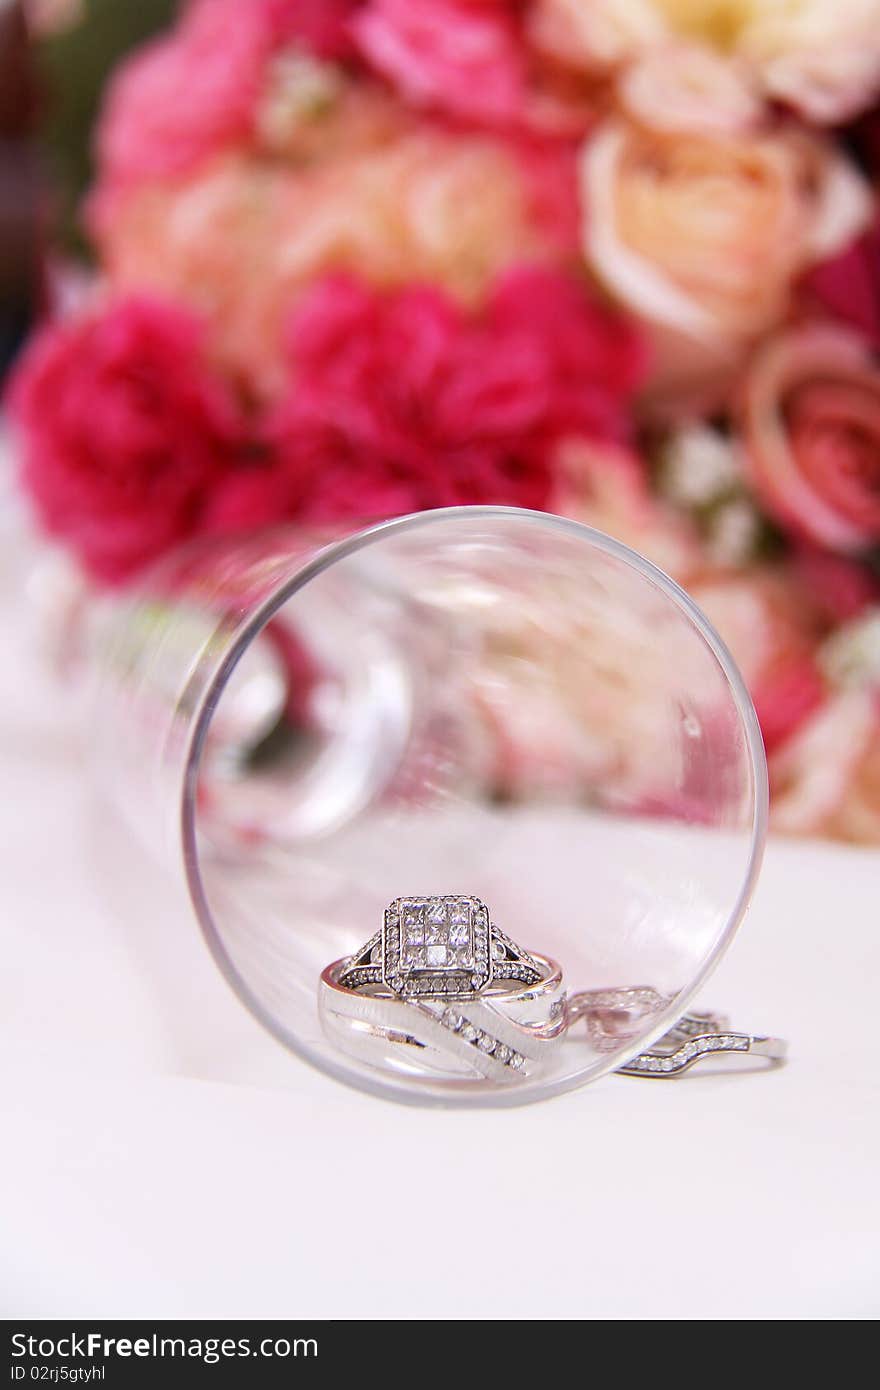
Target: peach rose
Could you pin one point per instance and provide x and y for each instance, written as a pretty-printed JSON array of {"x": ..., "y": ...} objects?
[
  {"x": 240, "y": 238},
  {"x": 811, "y": 428},
  {"x": 821, "y": 58},
  {"x": 701, "y": 234}
]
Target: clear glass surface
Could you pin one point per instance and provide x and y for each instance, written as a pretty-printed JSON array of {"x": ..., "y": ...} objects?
[{"x": 479, "y": 701}]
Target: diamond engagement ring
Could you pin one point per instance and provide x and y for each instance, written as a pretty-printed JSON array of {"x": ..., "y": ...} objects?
[
  {"x": 442, "y": 983},
  {"x": 439, "y": 948}
]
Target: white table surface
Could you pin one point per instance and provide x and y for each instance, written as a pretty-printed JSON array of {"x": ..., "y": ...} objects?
[{"x": 162, "y": 1157}]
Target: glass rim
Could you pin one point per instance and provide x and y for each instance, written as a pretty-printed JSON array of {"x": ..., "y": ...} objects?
[{"x": 329, "y": 554}]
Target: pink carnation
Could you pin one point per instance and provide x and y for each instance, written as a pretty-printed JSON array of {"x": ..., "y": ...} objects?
[
  {"x": 402, "y": 401},
  {"x": 195, "y": 91},
  {"x": 454, "y": 55},
  {"x": 123, "y": 432}
]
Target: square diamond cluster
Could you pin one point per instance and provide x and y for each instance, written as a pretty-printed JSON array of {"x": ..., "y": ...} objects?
[{"x": 436, "y": 945}]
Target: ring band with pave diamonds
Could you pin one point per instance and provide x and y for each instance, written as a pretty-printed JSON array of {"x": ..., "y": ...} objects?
[
  {"x": 499, "y": 1035},
  {"x": 701, "y": 1035}
]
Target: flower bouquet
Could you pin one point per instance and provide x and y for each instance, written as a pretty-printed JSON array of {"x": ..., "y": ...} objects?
[{"x": 616, "y": 259}]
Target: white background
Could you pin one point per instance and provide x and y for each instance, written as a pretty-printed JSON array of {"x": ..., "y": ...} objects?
[{"x": 161, "y": 1157}]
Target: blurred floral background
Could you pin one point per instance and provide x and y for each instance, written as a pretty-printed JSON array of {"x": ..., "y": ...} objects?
[{"x": 342, "y": 259}]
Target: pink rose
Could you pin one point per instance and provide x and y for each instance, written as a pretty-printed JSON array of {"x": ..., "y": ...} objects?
[
  {"x": 811, "y": 428},
  {"x": 194, "y": 91},
  {"x": 402, "y": 401},
  {"x": 462, "y": 56},
  {"x": 122, "y": 430}
]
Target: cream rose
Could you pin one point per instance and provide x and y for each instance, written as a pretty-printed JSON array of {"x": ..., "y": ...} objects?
[
  {"x": 820, "y": 56},
  {"x": 701, "y": 233}
]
